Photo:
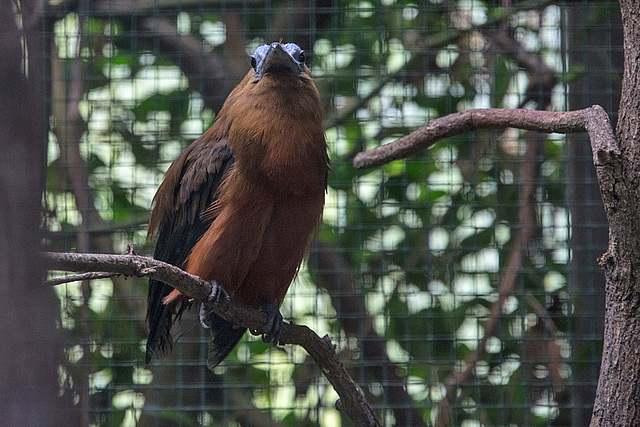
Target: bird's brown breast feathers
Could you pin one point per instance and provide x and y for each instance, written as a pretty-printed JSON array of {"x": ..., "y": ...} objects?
[{"x": 271, "y": 203}]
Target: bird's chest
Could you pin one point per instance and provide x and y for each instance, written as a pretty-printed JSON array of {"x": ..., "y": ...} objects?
[{"x": 286, "y": 153}]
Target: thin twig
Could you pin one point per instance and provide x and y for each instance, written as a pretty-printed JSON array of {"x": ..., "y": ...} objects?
[
  {"x": 321, "y": 350},
  {"x": 77, "y": 278},
  {"x": 543, "y": 314}
]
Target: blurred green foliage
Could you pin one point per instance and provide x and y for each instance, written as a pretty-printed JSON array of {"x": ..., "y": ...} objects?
[{"x": 425, "y": 240}]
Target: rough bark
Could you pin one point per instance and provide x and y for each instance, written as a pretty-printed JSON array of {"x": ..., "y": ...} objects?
[
  {"x": 600, "y": 53},
  {"x": 618, "y": 166}
]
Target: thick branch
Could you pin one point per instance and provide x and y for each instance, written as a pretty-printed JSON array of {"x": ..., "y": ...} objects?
[
  {"x": 472, "y": 120},
  {"x": 321, "y": 350}
]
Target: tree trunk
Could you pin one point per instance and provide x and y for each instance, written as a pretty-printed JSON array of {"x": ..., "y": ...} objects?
[
  {"x": 601, "y": 55},
  {"x": 30, "y": 349},
  {"x": 618, "y": 394}
]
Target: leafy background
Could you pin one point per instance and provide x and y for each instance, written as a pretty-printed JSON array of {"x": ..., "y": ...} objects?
[{"x": 412, "y": 256}]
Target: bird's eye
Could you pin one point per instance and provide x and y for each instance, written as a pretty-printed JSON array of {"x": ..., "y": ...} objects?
[
  {"x": 253, "y": 62},
  {"x": 301, "y": 57}
]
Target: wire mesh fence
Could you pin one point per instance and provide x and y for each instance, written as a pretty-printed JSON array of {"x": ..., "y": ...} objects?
[{"x": 461, "y": 285}]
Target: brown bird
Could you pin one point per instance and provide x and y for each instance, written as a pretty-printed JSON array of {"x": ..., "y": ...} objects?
[{"x": 240, "y": 205}]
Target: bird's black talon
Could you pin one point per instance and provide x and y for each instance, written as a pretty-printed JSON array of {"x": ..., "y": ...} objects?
[
  {"x": 218, "y": 296},
  {"x": 273, "y": 327},
  {"x": 203, "y": 317}
]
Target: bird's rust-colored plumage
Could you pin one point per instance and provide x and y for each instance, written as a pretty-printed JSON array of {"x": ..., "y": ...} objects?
[{"x": 242, "y": 202}]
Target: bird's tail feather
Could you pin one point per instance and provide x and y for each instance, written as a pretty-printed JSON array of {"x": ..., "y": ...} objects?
[
  {"x": 224, "y": 338},
  {"x": 160, "y": 317}
]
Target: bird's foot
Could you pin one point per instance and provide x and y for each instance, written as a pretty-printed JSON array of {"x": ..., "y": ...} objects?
[
  {"x": 273, "y": 326},
  {"x": 218, "y": 296}
]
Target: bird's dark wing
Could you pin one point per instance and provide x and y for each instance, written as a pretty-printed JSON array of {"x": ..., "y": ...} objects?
[{"x": 190, "y": 187}]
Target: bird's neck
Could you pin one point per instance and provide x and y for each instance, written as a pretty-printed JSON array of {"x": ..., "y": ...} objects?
[{"x": 277, "y": 135}]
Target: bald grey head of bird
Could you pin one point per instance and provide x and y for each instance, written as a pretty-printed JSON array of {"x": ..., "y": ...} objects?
[{"x": 278, "y": 59}]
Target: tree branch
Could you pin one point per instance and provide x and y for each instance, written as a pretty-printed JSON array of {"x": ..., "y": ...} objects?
[
  {"x": 321, "y": 350},
  {"x": 593, "y": 120},
  {"x": 485, "y": 118},
  {"x": 77, "y": 278}
]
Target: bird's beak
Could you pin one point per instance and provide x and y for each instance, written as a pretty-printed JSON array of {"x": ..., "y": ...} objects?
[{"x": 277, "y": 61}]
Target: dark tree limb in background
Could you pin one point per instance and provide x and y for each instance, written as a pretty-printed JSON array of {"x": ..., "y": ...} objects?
[
  {"x": 542, "y": 77},
  {"x": 542, "y": 81},
  {"x": 206, "y": 72},
  {"x": 30, "y": 348},
  {"x": 321, "y": 350},
  {"x": 507, "y": 285},
  {"x": 69, "y": 136},
  {"x": 434, "y": 42},
  {"x": 333, "y": 273}
]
